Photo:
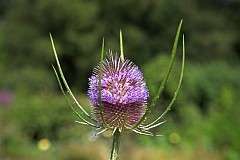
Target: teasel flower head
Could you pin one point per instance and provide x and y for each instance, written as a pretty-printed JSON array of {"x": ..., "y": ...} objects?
[
  {"x": 124, "y": 92},
  {"x": 118, "y": 95}
]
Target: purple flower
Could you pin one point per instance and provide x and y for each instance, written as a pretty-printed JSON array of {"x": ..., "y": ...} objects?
[{"x": 123, "y": 92}]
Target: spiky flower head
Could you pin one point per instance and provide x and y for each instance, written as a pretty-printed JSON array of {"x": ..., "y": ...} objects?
[{"x": 124, "y": 92}]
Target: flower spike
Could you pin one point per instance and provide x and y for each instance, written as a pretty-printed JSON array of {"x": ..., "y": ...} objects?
[{"x": 124, "y": 93}]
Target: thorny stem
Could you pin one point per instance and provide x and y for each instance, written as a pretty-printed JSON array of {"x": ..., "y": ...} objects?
[{"x": 115, "y": 145}]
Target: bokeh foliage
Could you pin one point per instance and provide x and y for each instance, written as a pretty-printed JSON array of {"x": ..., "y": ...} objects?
[{"x": 205, "y": 113}]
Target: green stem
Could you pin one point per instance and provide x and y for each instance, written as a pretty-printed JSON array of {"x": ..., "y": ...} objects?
[{"x": 115, "y": 145}]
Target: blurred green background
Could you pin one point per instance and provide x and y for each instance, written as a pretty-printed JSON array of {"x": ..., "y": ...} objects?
[{"x": 36, "y": 122}]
